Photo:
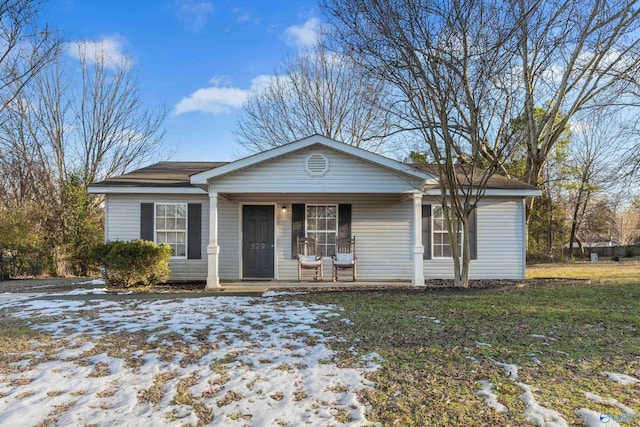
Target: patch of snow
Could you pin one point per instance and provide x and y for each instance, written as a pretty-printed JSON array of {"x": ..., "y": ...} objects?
[
  {"x": 273, "y": 355},
  {"x": 483, "y": 344},
  {"x": 490, "y": 398},
  {"x": 373, "y": 360},
  {"x": 537, "y": 414},
  {"x": 83, "y": 291},
  {"x": 564, "y": 353},
  {"x": 537, "y": 336},
  {"x": 610, "y": 402},
  {"x": 275, "y": 294},
  {"x": 433, "y": 319},
  {"x": 511, "y": 370},
  {"x": 471, "y": 358},
  {"x": 593, "y": 419},
  {"x": 92, "y": 282},
  {"x": 621, "y": 378}
]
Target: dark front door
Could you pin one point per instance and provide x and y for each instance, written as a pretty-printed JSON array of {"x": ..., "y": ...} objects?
[{"x": 257, "y": 242}]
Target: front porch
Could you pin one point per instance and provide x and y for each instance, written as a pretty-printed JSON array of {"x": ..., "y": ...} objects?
[
  {"x": 259, "y": 287},
  {"x": 249, "y": 230}
]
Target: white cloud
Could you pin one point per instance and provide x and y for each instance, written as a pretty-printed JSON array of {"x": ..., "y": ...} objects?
[
  {"x": 195, "y": 14},
  {"x": 214, "y": 99},
  {"x": 305, "y": 35},
  {"x": 262, "y": 81},
  {"x": 220, "y": 97},
  {"x": 108, "y": 49},
  {"x": 244, "y": 17}
]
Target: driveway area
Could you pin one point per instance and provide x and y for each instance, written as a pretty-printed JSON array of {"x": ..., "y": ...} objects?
[{"x": 174, "y": 361}]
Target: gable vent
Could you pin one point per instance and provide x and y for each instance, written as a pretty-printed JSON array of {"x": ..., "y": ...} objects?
[{"x": 317, "y": 164}]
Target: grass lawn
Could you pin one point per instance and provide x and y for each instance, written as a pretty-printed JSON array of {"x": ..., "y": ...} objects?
[
  {"x": 627, "y": 270},
  {"x": 438, "y": 346}
]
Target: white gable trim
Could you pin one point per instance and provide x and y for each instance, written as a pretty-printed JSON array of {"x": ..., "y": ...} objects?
[{"x": 203, "y": 177}]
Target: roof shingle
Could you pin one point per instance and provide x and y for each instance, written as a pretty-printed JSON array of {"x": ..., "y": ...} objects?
[{"x": 162, "y": 174}]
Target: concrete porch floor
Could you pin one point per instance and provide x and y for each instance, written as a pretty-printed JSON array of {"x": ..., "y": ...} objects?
[{"x": 295, "y": 286}]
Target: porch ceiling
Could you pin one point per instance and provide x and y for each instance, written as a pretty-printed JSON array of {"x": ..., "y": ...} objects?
[{"x": 288, "y": 197}]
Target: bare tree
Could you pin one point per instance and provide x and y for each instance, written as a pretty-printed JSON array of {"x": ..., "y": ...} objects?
[
  {"x": 316, "y": 91},
  {"x": 573, "y": 55},
  {"x": 26, "y": 47},
  {"x": 593, "y": 165},
  {"x": 116, "y": 131},
  {"x": 66, "y": 130},
  {"x": 450, "y": 66},
  {"x": 629, "y": 223}
]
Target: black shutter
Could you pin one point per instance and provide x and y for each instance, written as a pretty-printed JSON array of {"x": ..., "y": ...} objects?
[
  {"x": 473, "y": 234},
  {"x": 146, "y": 221},
  {"x": 297, "y": 227},
  {"x": 426, "y": 231},
  {"x": 194, "y": 232},
  {"x": 344, "y": 221}
]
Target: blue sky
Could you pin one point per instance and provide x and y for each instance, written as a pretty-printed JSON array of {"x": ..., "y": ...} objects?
[{"x": 199, "y": 58}]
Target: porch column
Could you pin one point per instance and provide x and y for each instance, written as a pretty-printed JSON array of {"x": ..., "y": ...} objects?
[
  {"x": 213, "y": 280},
  {"x": 418, "y": 248}
]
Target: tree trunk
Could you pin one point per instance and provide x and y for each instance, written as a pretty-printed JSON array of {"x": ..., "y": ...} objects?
[
  {"x": 532, "y": 177},
  {"x": 574, "y": 227},
  {"x": 462, "y": 264}
]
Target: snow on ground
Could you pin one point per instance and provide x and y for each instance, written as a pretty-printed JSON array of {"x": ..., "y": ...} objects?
[
  {"x": 83, "y": 291},
  {"x": 538, "y": 414},
  {"x": 534, "y": 412},
  {"x": 609, "y": 402},
  {"x": 92, "y": 282},
  {"x": 510, "y": 370},
  {"x": 278, "y": 293},
  {"x": 433, "y": 319},
  {"x": 482, "y": 344},
  {"x": 592, "y": 418},
  {"x": 623, "y": 379},
  {"x": 490, "y": 398},
  {"x": 220, "y": 360}
]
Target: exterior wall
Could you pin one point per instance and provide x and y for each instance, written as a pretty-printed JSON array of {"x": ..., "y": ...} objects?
[
  {"x": 288, "y": 175},
  {"x": 501, "y": 243},
  {"x": 122, "y": 214},
  {"x": 381, "y": 224}
]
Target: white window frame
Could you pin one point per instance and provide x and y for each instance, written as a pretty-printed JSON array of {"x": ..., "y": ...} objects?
[
  {"x": 444, "y": 232},
  {"x": 306, "y": 224},
  {"x": 186, "y": 227}
]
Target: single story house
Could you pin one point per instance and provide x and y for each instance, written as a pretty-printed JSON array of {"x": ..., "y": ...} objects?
[{"x": 240, "y": 220}]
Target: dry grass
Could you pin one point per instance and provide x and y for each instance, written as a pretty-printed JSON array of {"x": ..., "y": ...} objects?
[
  {"x": 156, "y": 392},
  {"x": 230, "y": 396},
  {"x": 427, "y": 380},
  {"x": 101, "y": 369},
  {"x": 624, "y": 271}
]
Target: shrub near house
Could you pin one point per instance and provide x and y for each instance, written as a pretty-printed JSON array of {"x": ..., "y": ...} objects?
[{"x": 134, "y": 263}]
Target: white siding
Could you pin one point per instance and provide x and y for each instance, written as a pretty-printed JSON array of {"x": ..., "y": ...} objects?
[
  {"x": 123, "y": 223},
  {"x": 500, "y": 244},
  {"x": 288, "y": 175},
  {"x": 381, "y": 225}
]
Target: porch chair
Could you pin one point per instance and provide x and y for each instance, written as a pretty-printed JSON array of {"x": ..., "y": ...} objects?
[
  {"x": 308, "y": 258},
  {"x": 345, "y": 257}
]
